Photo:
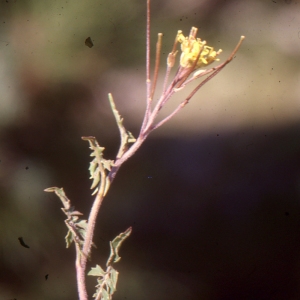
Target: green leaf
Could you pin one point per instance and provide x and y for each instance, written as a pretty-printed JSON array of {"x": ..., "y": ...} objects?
[
  {"x": 107, "y": 282},
  {"x": 115, "y": 246},
  {"x": 107, "y": 164},
  {"x": 81, "y": 227},
  {"x": 126, "y": 136},
  {"x": 107, "y": 185},
  {"x": 105, "y": 295},
  {"x": 82, "y": 224},
  {"x": 97, "y": 271},
  {"x": 96, "y": 178},
  {"x": 69, "y": 238},
  {"x": 95, "y": 191},
  {"x": 93, "y": 166},
  {"x": 76, "y": 213},
  {"x": 131, "y": 138},
  {"x": 62, "y": 196},
  {"x": 114, "y": 278},
  {"x": 98, "y": 165},
  {"x": 50, "y": 189}
]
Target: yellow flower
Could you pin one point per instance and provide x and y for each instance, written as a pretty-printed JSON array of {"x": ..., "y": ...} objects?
[{"x": 193, "y": 48}]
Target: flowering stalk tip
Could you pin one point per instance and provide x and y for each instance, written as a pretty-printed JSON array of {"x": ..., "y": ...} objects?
[{"x": 195, "y": 52}]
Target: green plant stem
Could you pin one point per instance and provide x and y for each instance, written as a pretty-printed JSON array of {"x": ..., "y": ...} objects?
[
  {"x": 81, "y": 266},
  {"x": 80, "y": 274}
]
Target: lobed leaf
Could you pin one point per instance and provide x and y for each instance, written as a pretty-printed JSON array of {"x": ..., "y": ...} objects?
[
  {"x": 126, "y": 136},
  {"x": 114, "y": 278},
  {"x": 115, "y": 246},
  {"x": 62, "y": 196},
  {"x": 69, "y": 238},
  {"x": 107, "y": 282},
  {"x": 98, "y": 165},
  {"x": 97, "y": 271}
]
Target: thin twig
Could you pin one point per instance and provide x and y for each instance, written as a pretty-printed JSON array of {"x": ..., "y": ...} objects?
[
  {"x": 157, "y": 62},
  {"x": 154, "y": 81},
  {"x": 148, "y": 82},
  {"x": 170, "y": 64},
  {"x": 168, "y": 71}
]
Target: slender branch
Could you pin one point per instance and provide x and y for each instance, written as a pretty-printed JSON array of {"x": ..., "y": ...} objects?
[
  {"x": 170, "y": 64},
  {"x": 157, "y": 61},
  {"x": 163, "y": 99},
  {"x": 148, "y": 82},
  {"x": 168, "y": 71},
  {"x": 235, "y": 50}
]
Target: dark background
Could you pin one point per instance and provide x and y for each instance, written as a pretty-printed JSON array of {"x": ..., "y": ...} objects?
[{"x": 213, "y": 196}]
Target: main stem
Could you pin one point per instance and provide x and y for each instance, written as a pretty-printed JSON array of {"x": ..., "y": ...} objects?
[
  {"x": 80, "y": 272},
  {"x": 81, "y": 265}
]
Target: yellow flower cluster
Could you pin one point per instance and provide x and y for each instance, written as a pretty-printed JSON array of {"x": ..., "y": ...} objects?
[{"x": 191, "y": 47}]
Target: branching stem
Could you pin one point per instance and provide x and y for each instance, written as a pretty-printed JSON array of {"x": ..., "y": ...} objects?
[{"x": 148, "y": 125}]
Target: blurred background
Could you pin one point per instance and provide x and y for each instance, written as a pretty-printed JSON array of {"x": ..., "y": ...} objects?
[{"x": 212, "y": 196}]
